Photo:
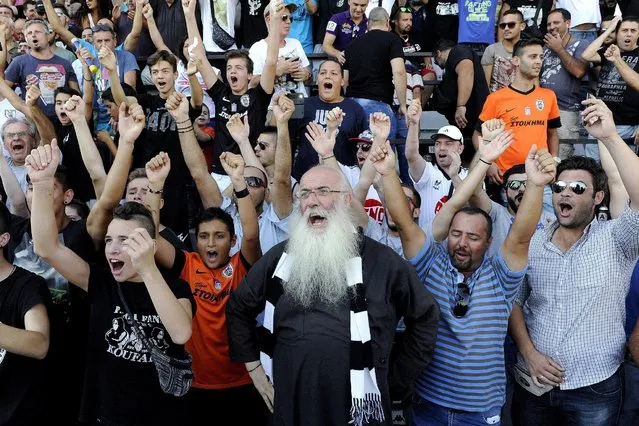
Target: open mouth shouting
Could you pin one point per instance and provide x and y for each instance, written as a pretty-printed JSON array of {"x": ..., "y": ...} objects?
[
  {"x": 211, "y": 257},
  {"x": 116, "y": 266},
  {"x": 565, "y": 209}
]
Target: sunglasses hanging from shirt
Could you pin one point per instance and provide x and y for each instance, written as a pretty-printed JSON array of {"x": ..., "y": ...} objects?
[{"x": 220, "y": 36}]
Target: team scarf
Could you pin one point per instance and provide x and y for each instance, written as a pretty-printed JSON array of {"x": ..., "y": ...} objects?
[{"x": 366, "y": 400}]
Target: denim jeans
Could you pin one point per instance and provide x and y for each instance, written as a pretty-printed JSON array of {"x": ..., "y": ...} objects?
[
  {"x": 630, "y": 411},
  {"x": 594, "y": 405},
  {"x": 425, "y": 413},
  {"x": 370, "y": 106},
  {"x": 587, "y": 35}
]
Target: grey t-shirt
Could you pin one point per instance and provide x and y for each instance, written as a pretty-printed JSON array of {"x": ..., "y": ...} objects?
[
  {"x": 556, "y": 77},
  {"x": 503, "y": 221},
  {"x": 503, "y": 68},
  {"x": 64, "y": 54},
  {"x": 379, "y": 232}
]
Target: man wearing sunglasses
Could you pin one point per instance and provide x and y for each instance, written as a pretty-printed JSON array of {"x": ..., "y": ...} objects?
[
  {"x": 497, "y": 59},
  {"x": 293, "y": 66},
  {"x": 465, "y": 382},
  {"x": 567, "y": 319}
]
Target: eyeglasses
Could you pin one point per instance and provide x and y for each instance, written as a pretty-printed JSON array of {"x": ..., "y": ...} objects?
[
  {"x": 262, "y": 145},
  {"x": 510, "y": 25},
  {"x": 10, "y": 135},
  {"x": 355, "y": 30},
  {"x": 516, "y": 184},
  {"x": 321, "y": 192},
  {"x": 462, "y": 299},
  {"x": 286, "y": 18},
  {"x": 364, "y": 147},
  {"x": 254, "y": 182},
  {"x": 405, "y": 9},
  {"x": 578, "y": 187}
]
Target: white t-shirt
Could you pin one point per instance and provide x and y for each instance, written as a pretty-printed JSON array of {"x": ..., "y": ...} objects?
[
  {"x": 386, "y": 4},
  {"x": 226, "y": 19},
  {"x": 373, "y": 204},
  {"x": 273, "y": 230},
  {"x": 292, "y": 49},
  {"x": 581, "y": 11},
  {"x": 434, "y": 188}
]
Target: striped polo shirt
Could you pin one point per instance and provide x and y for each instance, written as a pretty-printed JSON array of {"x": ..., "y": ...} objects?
[{"x": 467, "y": 371}]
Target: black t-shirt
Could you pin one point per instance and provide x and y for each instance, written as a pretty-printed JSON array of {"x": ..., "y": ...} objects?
[
  {"x": 127, "y": 385},
  {"x": 181, "y": 200},
  {"x": 443, "y": 20},
  {"x": 368, "y": 58},
  {"x": 315, "y": 109},
  {"x": 75, "y": 237},
  {"x": 254, "y": 103},
  {"x": 252, "y": 24},
  {"x": 448, "y": 86},
  {"x": 622, "y": 100},
  {"x": 629, "y": 7},
  {"x": 23, "y": 379},
  {"x": 77, "y": 174},
  {"x": 528, "y": 8}
]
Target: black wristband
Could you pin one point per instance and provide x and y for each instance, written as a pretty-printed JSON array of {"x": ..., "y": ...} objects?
[
  {"x": 241, "y": 194},
  {"x": 485, "y": 162},
  {"x": 153, "y": 191},
  {"x": 255, "y": 368}
]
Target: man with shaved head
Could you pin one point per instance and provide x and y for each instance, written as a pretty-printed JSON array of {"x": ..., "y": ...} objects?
[{"x": 337, "y": 296}]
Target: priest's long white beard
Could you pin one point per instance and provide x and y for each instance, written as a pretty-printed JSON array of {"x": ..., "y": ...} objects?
[{"x": 318, "y": 271}]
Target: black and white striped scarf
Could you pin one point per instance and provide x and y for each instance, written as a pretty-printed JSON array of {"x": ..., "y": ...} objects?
[{"x": 366, "y": 401}]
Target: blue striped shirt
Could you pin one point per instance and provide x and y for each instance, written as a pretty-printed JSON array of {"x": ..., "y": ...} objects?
[{"x": 467, "y": 371}]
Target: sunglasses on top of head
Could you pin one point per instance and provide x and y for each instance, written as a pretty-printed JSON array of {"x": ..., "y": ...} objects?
[{"x": 577, "y": 187}]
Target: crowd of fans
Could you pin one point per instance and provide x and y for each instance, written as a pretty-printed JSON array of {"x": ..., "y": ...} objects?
[{"x": 276, "y": 220}]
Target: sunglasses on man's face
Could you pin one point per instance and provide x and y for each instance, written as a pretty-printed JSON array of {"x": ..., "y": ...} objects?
[
  {"x": 462, "y": 300},
  {"x": 254, "y": 182},
  {"x": 364, "y": 147},
  {"x": 262, "y": 145},
  {"x": 405, "y": 9},
  {"x": 516, "y": 184},
  {"x": 578, "y": 187},
  {"x": 510, "y": 25},
  {"x": 286, "y": 18}
]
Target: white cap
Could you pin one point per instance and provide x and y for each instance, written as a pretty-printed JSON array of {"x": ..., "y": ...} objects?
[{"x": 450, "y": 132}]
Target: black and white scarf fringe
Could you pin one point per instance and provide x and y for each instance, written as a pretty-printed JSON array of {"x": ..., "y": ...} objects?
[{"x": 366, "y": 400}]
